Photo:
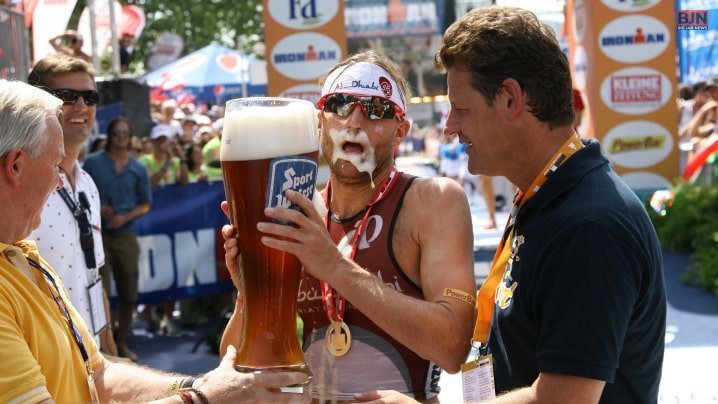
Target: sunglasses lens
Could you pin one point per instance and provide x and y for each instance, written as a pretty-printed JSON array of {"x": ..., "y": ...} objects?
[
  {"x": 70, "y": 97},
  {"x": 91, "y": 97},
  {"x": 374, "y": 107}
]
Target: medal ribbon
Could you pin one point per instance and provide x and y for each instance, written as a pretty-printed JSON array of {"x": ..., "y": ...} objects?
[
  {"x": 485, "y": 295},
  {"x": 334, "y": 303}
]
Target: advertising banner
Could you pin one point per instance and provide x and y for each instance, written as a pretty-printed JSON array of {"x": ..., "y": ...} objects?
[
  {"x": 181, "y": 248},
  {"x": 622, "y": 57},
  {"x": 49, "y": 19},
  {"x": 697, "y": 39},
  {"x": 409, "y": 31},
  {"x": 384, "y": 18},
  {"x": 304, "y": 39}
]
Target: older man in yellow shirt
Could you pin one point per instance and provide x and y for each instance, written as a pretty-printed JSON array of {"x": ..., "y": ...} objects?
[{"x": 48, "y": 353}]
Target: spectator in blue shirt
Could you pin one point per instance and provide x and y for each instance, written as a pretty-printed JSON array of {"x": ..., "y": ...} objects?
[{"x": 125, "y": 196}]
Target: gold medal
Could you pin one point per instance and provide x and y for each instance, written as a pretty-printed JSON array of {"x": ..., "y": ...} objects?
[{"x": 338, "y": 339}]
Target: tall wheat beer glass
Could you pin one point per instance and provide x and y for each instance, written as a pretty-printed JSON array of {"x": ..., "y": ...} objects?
[{"x": 269, "y": 145}]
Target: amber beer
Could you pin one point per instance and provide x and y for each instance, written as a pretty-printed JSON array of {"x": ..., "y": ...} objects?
[{"x": 268, "y": 145}]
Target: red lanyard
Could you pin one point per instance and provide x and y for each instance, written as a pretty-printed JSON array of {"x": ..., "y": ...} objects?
[{"x": 334, "y": 303}]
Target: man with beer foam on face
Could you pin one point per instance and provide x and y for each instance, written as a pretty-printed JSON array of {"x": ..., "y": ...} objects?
[{"x": 386, "y": 293}]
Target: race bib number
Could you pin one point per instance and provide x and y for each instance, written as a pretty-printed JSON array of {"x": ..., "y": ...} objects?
[{"x": 298, "y": 173}]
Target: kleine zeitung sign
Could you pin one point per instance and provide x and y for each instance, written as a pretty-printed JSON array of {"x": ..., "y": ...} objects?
[{"x": 636, "y": 90}]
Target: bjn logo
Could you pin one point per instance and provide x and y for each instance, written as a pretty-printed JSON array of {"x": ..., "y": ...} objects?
[{"x": 692, "y": 20}]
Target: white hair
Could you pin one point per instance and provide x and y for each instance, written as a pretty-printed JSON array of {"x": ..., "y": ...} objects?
[{"x": 24, "y": 110}]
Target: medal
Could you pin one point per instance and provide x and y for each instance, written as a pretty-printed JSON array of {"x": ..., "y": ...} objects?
[{"x": 338, "y": 339}]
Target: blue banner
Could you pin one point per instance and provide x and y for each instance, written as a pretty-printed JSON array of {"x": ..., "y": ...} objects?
[
  {"x": 697, "y": 48},
  {"x": 181, "y": 247}
]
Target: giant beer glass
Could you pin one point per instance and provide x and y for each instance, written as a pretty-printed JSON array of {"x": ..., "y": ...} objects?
[{"x": 269, "y": 145}]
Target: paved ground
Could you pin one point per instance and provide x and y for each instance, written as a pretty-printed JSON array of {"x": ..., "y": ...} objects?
[{"x": 690, "y": 372}]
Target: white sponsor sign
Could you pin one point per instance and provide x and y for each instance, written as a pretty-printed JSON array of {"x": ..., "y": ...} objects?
[
  {"x": 305, "y": 56},
  {"x": 637, "y": 144},
  {"x": 309, "y": 92},
  {"x": 628, "y": 6},
  {"x": 636, "y": 90},
  {"x": 303, "y": 14},
  {"x": 634, "y": 38}
]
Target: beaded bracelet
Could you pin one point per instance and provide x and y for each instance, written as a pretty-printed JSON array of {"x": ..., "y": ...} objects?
[
  {"x": 200, "y": 394},
  {"x": 186, "y": 397}
]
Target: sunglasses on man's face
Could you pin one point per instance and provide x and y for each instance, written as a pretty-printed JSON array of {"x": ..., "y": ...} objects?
[
  {"x": 70, "y": 97},
  {"x": 374, "y": 108}
]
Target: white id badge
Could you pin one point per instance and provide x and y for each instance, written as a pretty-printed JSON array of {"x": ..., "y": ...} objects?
[
  {"x": 477, "y": 378},
  {"x": 97, "y": 306}
]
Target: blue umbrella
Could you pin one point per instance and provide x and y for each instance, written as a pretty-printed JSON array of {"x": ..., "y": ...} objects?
[{"x": 212, "y": 74}]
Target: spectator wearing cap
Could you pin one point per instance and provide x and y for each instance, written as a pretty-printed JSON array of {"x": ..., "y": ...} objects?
[
  {"x": 210, "y": 153},
  {"x": 203, "y": 135},
  {"x": 167, "y": 116},
  {"x": 166, "y": 164},
  {"x": 189, "y": 125},
  {"x": 70, "y": 43}
]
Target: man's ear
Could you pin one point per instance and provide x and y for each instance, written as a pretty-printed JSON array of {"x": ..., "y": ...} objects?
[
  {"x": 401, "y": 131},
  {"x": 512, "y": 98},
  {"x": 13, "y": 164}
]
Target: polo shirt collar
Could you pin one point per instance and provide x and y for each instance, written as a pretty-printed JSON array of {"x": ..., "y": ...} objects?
[{"x": 568, "y": 175}]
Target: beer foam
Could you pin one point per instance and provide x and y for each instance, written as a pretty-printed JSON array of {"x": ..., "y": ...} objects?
[
  {"x": 364, "y": 162},
  {"x": 259, "y": 132}
]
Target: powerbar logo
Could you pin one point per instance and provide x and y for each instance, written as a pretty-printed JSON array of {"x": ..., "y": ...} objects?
[
  {"x": 297, "y": 173},
  {"x": 638, "y": 143},
  {"x": 636, "y": 89}
]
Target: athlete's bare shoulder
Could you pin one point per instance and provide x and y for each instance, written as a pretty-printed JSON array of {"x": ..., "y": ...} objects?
[{"x": 436, "y": 193}]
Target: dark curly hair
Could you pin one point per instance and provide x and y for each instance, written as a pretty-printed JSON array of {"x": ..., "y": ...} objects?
[{"x": 496, "y": 43}]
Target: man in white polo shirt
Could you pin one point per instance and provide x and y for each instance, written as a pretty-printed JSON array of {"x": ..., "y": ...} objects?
[{"x": 69, "y": 237}]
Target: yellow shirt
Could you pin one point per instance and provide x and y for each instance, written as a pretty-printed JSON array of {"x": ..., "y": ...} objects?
[{"x": 39, "y": 356}]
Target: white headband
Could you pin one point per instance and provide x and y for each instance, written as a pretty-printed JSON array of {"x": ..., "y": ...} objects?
[{"x": 364, "y": 79}]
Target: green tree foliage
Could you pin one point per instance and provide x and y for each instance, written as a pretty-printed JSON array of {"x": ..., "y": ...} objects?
[
  {"x": 236, "y": 24},
  {"x": 689, "y": 225}
]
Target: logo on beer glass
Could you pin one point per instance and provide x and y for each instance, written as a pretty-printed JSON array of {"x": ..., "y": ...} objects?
[{"x": 297, "y": 173}]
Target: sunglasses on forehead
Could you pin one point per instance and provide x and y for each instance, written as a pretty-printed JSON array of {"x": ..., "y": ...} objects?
[
  {"x": 374, "y": 108},
  {"x": 70, "y": 97}
]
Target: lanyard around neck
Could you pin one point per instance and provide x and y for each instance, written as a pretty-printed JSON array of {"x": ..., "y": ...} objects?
[
  {"x": 79, "y": 211},
  {"x": 56, "y": 296},
  {"x": 485, "y": 295},
  {"x": 334, "y": 306}
]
